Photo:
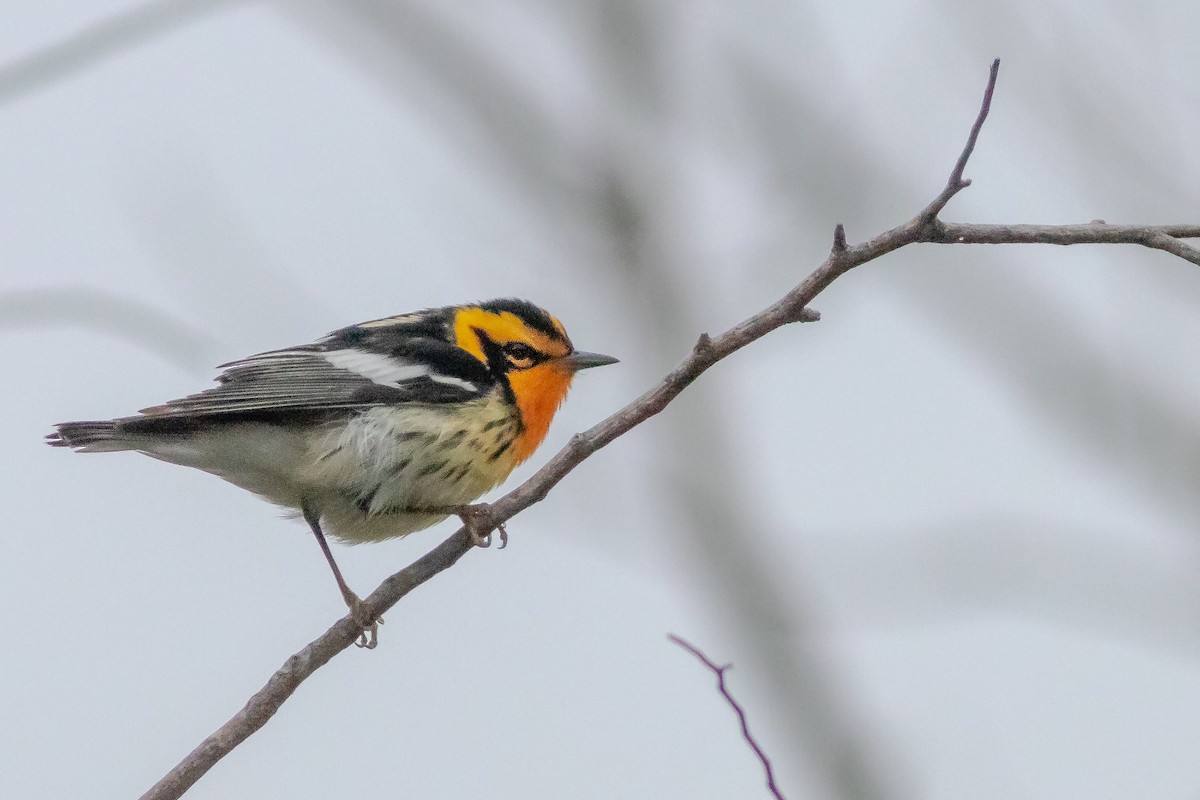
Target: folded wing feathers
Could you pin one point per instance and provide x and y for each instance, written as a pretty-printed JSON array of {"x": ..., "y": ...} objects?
[{"x": 310, "y": 378}]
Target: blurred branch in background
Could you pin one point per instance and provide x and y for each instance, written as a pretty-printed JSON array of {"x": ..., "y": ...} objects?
[
  {"x": 429, "y": 57},
  {"x": 717, "y": 512},
  {"x": 134, "y": 322},
  {"x": 1044, "y": 571},
  {"x": 99, "y": 41}
]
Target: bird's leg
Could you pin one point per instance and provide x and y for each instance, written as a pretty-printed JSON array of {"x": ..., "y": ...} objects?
[{"x": 369, "y": 637}]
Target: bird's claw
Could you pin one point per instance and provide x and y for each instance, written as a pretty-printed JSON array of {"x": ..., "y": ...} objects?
[{"x": 485, "y": 540}]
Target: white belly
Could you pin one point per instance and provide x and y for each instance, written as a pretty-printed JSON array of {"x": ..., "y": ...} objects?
[{"x": 363, "y": 474}]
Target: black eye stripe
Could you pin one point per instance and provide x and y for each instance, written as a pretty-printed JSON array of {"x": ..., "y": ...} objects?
[
  {"x": 509, "y": 356},
  {"x": 520, "y": 351}
]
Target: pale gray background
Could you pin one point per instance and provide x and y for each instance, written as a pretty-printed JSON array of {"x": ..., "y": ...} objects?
[{"x": 948, "y": 535}]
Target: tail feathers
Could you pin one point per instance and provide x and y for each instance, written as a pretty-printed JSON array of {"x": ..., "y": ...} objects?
[{"x": 89, "y": 437}]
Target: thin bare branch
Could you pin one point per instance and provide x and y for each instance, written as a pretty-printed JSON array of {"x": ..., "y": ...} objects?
[
  {"x": 1089, "y": 233},
  {"x": 708, "y": 350},
  {"x": 1158, "y": 237},
  {"x": 720, "y": 671},
  {"x": 1160, "y": 240}
]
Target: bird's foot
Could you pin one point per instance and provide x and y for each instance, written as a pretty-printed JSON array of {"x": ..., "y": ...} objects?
[
  {"x": 367, "y": 622},
  {"x": 477, "y": 520}
]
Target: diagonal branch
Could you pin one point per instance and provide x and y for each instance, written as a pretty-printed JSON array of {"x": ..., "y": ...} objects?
[
  {"x": 720, "y": 671},
  {"x": 708, "y": 350}
]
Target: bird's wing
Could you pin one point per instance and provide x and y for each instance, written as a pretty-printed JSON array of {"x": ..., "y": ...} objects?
[{"x": 320, "y": 377}]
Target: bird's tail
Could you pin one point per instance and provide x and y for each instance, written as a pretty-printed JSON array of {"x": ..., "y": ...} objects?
[{"x": 90, "y": 437}]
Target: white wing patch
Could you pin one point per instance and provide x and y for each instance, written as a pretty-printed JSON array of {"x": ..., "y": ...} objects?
[
  {"x": 388, "y": 371},
  {"x": 450, "y": 380},
  {"x": 378, "y": 368}
]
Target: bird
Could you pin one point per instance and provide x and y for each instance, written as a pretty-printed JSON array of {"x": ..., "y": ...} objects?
[{"x": 377, "y": 430}]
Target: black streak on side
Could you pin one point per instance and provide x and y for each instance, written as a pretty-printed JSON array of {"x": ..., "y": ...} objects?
[
  {"x": 502, "y": 450},
  {"x": 430, "y": 469},
  {"x": 364, "y": 501}
]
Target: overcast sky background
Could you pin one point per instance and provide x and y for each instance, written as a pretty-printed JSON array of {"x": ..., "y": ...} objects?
[{"x": 947, "y": 535}]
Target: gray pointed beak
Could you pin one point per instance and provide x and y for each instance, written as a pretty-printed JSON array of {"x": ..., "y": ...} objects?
[{"x": 579, "y": 360}]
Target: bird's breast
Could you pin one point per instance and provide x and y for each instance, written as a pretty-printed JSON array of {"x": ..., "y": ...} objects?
[{"x": 393, "y": 461}]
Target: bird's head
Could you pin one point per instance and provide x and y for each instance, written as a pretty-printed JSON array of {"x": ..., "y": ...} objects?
[{"x": 527, "y": 348}]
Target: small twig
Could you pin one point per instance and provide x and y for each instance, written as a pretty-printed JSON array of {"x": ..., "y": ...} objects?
[
  {"x": 956, "y": 183},
  {"x": 719, "y": 671},
  {"x": 839, "y": 239}
]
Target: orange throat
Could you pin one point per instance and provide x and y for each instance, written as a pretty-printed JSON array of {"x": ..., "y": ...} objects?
[{"x": 539, "y": 392}]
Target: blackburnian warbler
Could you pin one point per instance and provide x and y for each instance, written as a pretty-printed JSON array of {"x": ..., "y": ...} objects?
[{"x": 379, "y": 429}]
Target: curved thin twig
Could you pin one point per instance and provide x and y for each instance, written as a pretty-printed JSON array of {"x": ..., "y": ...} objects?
[
  {"x": 720, "y": 671},
  {"x": 792, "y": 307}
]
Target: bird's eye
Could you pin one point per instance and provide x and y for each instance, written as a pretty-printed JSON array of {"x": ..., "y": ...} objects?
[{"x": 519, "y": 351}]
